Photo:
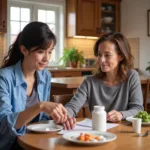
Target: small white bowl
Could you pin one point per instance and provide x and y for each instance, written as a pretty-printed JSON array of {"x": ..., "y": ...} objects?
[
  {"x": 103, "y": 8},
  {"x": 107, "y": 19},
  {"x": 109, "y": 8}
]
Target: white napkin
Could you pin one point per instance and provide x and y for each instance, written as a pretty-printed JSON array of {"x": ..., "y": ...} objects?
[{"x": 86, "y": 125}]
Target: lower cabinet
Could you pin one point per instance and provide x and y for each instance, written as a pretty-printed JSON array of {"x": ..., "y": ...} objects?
[
  {"x": 70, "y": 73},
  {"x": 66, "y": 74}
]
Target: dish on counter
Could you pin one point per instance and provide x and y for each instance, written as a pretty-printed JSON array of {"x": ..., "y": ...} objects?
[{"x": 107, "y": 19}]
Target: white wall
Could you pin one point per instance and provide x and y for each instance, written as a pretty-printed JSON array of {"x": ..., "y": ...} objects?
[{"x": 134, "y": 24}]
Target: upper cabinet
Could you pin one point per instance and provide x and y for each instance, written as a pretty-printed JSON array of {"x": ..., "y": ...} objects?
[
  {"x": 82, "y": 17},
  {"x": 110, "y": 16},
  {"x": 3, "y": 15},
  {"x": 92, "y": 17}
]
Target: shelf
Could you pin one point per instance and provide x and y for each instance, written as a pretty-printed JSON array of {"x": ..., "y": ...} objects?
[
  {"x": 108, "y": 23},
  {"x": 108, "y": 11}
]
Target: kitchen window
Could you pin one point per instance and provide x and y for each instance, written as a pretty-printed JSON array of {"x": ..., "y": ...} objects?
[{"x": 20, "y": 13}]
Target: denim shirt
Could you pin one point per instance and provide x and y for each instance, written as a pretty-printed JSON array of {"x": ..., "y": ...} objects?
[{"x": 13, "y": 100}]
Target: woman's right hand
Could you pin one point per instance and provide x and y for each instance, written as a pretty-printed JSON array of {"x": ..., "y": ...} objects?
[
  {"x": 69, "y": 123},
  {"x": 55, "y": 110}
]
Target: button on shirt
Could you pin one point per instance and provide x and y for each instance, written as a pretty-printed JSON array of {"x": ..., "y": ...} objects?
[{"x": 13, "y": 100}]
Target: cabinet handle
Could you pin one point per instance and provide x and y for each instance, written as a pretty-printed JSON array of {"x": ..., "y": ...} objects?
[
  {"x": 96, "y": 30},
  {"x": 99, "y": 30},
  {"x": 3, "y": 24}
]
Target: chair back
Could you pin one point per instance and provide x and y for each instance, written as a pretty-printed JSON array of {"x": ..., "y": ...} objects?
[
  {"x": 147, "y": 96},
  {"x": 65, "y": 98}
]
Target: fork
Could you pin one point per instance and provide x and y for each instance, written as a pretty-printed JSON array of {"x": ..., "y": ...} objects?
[{"x": 144, "y": 134}]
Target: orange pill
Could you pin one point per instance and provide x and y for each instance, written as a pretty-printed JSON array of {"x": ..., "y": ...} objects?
[
  {"x": 81, "y": 138},
  {"x": 97, "y": 138}
]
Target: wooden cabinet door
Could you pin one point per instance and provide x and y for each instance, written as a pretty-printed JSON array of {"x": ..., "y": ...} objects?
[
  {"x": 66, "y": 74},
  {"x": 88, "y": 17},
  {"x": 3, "y": 18},
  {"x": 85, "y": 17}
]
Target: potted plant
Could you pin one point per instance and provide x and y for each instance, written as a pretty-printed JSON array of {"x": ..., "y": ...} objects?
[
  {"x": 148, "y": 67},
  {"x": 71, "y": 57}
]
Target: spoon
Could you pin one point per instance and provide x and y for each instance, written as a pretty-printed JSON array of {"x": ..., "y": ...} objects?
[{"x": 144, "y": 134}]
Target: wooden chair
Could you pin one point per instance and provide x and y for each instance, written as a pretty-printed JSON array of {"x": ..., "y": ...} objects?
[
  {"x": 147, "y": 96},
  {"x": 84, "y": 112}
]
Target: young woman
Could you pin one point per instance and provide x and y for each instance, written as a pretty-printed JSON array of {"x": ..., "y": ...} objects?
[
  {"x": 25, "y": 84},
  {"x": 115, "y": 85}
]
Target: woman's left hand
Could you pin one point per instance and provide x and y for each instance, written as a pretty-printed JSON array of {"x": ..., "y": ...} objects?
[
  {"x": 114, "y": 116},
  {"x": 69, "y": 124}
]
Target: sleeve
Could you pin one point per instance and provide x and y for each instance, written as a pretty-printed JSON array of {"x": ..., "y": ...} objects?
[
  {"x": 46, "y": 117},
  {"x": 7, "y": 117},
  {"x": 78, "y": 100},
  {"x": 49, "y": 85},
  {"x": 135, "y": 97}
]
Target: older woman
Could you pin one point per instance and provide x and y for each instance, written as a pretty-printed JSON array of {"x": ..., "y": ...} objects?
[{"x": 115, "y": 85}]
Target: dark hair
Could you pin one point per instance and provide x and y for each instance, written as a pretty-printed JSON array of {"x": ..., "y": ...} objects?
[
  {"x": 34, "y": 34},
  {"x": 123, "y": 49}
]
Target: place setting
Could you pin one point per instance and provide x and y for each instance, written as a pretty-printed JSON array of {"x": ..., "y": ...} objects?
[
  {"x": 143, "y": 115},
  {"x": 81, "y": 134},
  {"x": 47, "y": 127},
  {"x": 89, "y": 137},
  {"x": 141, "y": 119}
]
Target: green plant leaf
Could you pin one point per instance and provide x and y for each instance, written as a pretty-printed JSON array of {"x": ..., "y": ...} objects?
[{"x": 72, "y": 55}]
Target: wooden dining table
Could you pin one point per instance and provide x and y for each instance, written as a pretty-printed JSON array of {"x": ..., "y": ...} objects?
[
  {"x": 126, "y": 140},
  {"x": 69, "y": 85}
]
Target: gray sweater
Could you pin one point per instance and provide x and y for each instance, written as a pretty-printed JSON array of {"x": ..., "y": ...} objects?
[{"x": 125, "y": 97}]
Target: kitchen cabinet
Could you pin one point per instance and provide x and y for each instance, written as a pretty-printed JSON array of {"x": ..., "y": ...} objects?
[
  {"x": 70, "y": 72},
  {"x": 86, "y": 17},
  {"x": 110, "y": 13},
  {"x": 66, "y": 74},
  {"x": 3, "y": 15},
  {"x": 82, "y": 17}
]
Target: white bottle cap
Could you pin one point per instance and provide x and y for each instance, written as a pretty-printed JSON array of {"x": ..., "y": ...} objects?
[{"x": 99, "y": 108}]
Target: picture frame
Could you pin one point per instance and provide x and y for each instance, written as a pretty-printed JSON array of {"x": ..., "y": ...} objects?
[{"x": 148, "y": 22}]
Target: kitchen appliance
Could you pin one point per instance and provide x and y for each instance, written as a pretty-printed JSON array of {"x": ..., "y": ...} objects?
[{"x": 90, "y": 62}]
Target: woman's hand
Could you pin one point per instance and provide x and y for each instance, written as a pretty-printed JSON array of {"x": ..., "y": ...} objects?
[
  {"x": 114, "y": 116},
  {"x": 70, "y": 123},
  {"x": 55, "y": 110}
]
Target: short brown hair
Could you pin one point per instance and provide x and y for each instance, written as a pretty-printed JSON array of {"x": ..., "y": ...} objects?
[{"x": 123, "y": 49}]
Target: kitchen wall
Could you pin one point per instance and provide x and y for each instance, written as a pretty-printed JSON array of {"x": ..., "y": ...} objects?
[
  {"x": 134, "y": 24},
  {"x": 135, "y": 48},
  {"x": 85, "y": 45}
]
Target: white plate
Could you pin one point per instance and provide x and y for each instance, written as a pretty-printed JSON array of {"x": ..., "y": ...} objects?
[
  {"x": 72, "y": 137},
  {"x": 131, "y": 118},
  {"x": 45, "y": 128}
]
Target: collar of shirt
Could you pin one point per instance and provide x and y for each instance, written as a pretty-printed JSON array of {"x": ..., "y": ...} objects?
[{"x": 20, "y": 77}]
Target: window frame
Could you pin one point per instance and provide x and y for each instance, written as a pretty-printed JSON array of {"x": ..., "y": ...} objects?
[
  {"x": 57, "y": 31},
  {"x": 15, "y": 4},
  {"x": 58, "y": 6}
]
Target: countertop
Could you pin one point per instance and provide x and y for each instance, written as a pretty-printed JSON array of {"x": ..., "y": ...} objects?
[{"x": 57, "y": 69}]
